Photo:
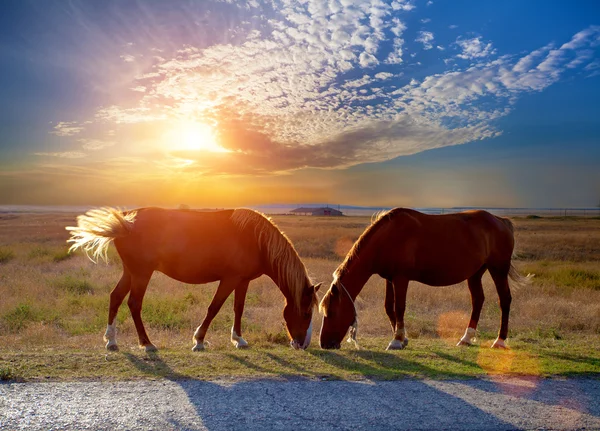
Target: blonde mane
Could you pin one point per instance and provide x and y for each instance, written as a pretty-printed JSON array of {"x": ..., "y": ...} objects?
[{"x": 280, "y": 252}]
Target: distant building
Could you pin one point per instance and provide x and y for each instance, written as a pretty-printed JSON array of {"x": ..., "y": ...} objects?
[{"x": 317, "y": 211}]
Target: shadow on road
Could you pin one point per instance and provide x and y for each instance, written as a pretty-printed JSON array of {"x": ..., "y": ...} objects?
[{"x": 302, "y": 403}]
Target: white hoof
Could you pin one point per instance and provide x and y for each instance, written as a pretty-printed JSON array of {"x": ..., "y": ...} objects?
[
  {"x": 397, "y": 344},
  {"x": 198, "y": 347},
  {"x": 499, "y": 344},
  {"x": 467, "y": 339},
  {"x": 237, "y": 340},
  {"x": 240, "y": 344},
  {"x": 149, "y": 348},
  {"x": 112, "y": 346}
]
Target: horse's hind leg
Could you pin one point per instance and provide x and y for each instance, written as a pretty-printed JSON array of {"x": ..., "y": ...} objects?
[
  {"x": 500, "y": 277},
  {"x": 389, "y": 304},
  {"x": 226, "y": 286},
  {"x": 116, "y": 298},
  {"x": 400, "y": 288},
  {"x": 238, "y": 308},
  {"x": 139, "y": 284},
  {"x": 477, "y": 298}
]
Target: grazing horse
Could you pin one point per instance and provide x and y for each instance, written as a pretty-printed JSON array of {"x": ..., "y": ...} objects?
[
  {"x": 438, "y": 250},
  {"x": 232, "y": 246}
]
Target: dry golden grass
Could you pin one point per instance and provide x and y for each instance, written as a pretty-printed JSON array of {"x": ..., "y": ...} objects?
[{"x": 49, "y": 298}]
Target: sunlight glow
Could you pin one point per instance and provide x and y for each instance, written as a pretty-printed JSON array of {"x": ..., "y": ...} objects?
[{"x": 193, "y": 136}]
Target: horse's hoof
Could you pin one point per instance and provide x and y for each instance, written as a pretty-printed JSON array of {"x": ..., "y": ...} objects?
[
  {"x": 405, "y": 342},
  {"x": 464, "y": 343},
  {"x": 149, "y": 347},
  {"x": 198, "y": 347},
  {"x": 240, "y": 343},
  {"x": 499, "y": 344},
  {"x": 112, "y": 347},
  {"x": 397, "y": 345}
]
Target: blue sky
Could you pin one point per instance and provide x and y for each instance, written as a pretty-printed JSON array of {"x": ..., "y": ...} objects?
[{"x": 383, "y": 103}]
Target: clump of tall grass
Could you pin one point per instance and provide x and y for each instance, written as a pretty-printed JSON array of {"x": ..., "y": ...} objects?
[
  {"x": 7, "y": 373},
  {"x": 17, "y": 318},
  {"x": 38, "y": 252},
  {"x": 6, "y": 255}
]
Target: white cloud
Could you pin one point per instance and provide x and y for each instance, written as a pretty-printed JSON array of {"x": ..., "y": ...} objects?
[
  {"x": 95, "y": 144},
  {"x": 63, "y": 154},
  {"x": 66, "y": 128},
  {"x": 474, "y": 48},
  {"x": 127, "y": 58},
  {"x": 425, "y": 37},
  {"x": 311, "y": 86}
]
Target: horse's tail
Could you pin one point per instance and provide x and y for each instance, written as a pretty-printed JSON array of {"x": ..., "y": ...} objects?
[
  {"x": 513, "y": 273},
  {"x": 97, "y": 228},
  {"x": 517, "y": 278}
]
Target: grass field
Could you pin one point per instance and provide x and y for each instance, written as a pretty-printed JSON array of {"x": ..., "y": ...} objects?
[{"x": 53, "y": 310}]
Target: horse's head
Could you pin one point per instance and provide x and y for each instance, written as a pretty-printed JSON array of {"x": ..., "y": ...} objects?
[
  {"x": 298, "y": 319},
  {"x": 338, "y": 314}
]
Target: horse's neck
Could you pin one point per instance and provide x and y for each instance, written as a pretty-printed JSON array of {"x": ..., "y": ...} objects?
[{"x": 355, "y": 276}]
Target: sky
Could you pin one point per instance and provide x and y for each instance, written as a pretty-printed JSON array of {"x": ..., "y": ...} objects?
[{"x": 416, "y": 103}]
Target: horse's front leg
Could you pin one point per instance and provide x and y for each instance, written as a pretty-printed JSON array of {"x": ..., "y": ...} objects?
[
  {"x": 400, "y": 340},
  {"x": 238, "y": 308},
  {"x": 477, "y": 298},
  {"x": 226, "y": 286}
]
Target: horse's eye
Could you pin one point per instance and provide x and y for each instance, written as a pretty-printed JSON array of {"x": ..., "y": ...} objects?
[{"x": 307, "y": 315}]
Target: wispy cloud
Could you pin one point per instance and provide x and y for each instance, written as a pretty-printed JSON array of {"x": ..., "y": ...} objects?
[
  {"x": 95, "y": 144},
  {"x": 63, "y": 154},
  {"x": 65, "y": 128}
]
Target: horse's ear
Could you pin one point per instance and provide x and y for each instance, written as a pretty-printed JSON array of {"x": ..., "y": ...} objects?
[{"x": 316, "y": 287}]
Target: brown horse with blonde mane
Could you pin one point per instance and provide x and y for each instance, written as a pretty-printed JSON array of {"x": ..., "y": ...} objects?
[
  {"x": 233, "y": 247},
  {"x": 438, "y": 250}
]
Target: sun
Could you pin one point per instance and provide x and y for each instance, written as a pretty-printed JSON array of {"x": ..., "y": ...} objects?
[{"x": 194, "y": 136}]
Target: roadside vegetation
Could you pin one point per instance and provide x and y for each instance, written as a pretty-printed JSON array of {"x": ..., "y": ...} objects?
[{"x": 53, "y": 308}]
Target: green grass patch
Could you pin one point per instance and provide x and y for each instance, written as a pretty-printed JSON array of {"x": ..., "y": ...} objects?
[
  {"x": 6, "y": 255},
  {"x": 74, "y": 285},
  {"x": 576, "y": 276},
  {"x": 61, "y": 255},
  {"x": 17, "y": 318},
  {"x": 165, "y": 313},
  {"x": 426, "y": 358},
  {"x": 7, "y": 373},
  {"x": 38, "y": 252}
]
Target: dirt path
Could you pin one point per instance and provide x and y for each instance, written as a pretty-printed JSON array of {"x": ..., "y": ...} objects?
[{"x": 516, "y": 403}]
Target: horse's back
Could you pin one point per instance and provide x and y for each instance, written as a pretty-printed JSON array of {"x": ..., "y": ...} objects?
[
  {"x": 444, "y": 249},
  {"x": 191, "y": 246}
]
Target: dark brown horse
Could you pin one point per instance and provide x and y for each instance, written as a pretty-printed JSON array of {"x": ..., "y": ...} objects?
[
  {"x": 438, "y": 250},
  {"x": 233, "y": 246}
]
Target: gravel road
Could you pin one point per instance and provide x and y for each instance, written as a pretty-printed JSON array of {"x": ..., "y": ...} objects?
[{"x": 506, "y": 404}]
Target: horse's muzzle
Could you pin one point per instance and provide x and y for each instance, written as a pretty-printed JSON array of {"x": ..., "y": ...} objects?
[{"x": 329, "y": 346}]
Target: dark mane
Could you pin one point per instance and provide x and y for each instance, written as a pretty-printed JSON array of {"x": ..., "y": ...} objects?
[{"x": 379, "y": 219}]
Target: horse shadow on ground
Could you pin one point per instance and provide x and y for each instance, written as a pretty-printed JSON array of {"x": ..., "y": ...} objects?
[{"x": 309, "y": 403}]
